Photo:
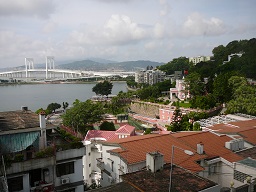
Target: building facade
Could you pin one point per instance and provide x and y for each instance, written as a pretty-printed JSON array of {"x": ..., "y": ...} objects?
[
  {"x": 36, "y": 157},
  {"x": 150, "y": 76},
  {"x": 199, "y": 59}
]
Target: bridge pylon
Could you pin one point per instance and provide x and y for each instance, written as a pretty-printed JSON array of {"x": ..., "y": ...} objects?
[
  {"x": 49, "y": 65},
  {"x": 29, "y": 64}
]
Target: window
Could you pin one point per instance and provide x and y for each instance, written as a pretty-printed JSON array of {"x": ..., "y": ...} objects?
[
  {"x": 212, "y": 169},
  {"x": 15, "y": 184},
  {"x": 65, "y": 169},
  {"x": 239, "y": 176}
]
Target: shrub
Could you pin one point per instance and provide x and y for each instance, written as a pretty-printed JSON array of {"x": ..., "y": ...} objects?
[{"x": 19, "y": 158}]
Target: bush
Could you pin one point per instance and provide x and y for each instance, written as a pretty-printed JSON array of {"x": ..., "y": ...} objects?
[
  {"x": 19, "y": 158},
  {"x": 48, "y": 152}
]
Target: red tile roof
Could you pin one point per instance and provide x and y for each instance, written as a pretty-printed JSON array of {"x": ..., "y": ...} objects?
[
  {"x": 134, "y": 150},
  {"x": 95, "y": 134},
  {"x": 234, "y": 127},
  {"x": 214, "y": 145},
  {"x": 247, "y": 129},
  {"x": 109, "y": 135},
  {"x": 249, "y": 135},
  {"x": 126, "y": 129}
]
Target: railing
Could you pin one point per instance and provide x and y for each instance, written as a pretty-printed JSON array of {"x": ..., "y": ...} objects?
[
  {"x": 100, "y": 163},
  {"x": 49, "y": 187}
]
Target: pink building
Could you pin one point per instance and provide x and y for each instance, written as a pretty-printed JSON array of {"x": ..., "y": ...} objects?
[{"x": 179, "y": 91}]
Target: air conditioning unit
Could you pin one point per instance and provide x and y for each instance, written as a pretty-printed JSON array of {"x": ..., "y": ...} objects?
[{"x": 65, "y": 181}]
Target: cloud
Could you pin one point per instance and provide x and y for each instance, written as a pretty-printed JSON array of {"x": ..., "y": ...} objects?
[
  {"x": 38, "y": 8},
  {"x": 165, "y": 7},
  {"x": 196, "y": 25},
  {"x": 120, "y": 29},
  {"x": 50, "y": 27}
]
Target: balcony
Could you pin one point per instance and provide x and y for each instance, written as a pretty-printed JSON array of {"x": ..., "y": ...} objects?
[
  {"x": 30, "y": 164},
  {"x": 43, "y": 187},
  {"x": 69, "y": 154}
]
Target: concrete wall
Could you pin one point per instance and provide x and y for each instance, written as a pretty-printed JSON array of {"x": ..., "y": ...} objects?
[
  {"x": 72, "y": 153},
  {"x": 146, "y": 108},
  {"x": 30, "y": 165}
]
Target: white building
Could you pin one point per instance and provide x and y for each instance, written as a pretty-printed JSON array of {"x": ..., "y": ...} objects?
[
  {"x": 150, "y": 76},
  {"x": 199, "y": 59},
  {"x": 210, "y": 159},
  {"x": 38, "y": 161}
]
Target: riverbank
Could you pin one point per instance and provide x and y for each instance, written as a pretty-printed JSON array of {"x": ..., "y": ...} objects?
[{"x": 53, "y": 82}]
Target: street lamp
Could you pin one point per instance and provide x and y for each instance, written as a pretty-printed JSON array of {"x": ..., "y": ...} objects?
[{"x": 186, "y": 152}]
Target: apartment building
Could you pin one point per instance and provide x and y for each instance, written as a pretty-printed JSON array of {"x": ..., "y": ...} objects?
[
  {"x": 149, "y": 76},
  {"x": 199, "y": 59},
  {"x": 36, "y": 156}
]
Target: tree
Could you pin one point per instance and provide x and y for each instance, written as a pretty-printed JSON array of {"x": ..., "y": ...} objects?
[
  {"x": 53, "y": 106},
  {"x": 65, "y": 105},
  {"x": 83, "y": 114},
  {"x": 107, "y": 126},
  {"x": 197, "y": 127},
  {"x": 194, "y": 84},
  {"x": 103, "y": 88}
]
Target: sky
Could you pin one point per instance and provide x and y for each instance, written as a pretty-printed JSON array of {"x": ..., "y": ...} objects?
[{"x": 120, "y": 30}]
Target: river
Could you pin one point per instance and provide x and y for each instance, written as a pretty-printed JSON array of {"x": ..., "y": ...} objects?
[{"x": 35, "y": 96}]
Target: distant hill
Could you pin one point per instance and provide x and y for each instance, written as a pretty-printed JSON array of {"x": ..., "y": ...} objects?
[
  {"x": 90, "y": 65},
  {"x": 95, "y": 64}
]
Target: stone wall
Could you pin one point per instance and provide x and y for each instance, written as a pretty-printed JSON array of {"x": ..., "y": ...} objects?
[{"x": 146, "y": 108}]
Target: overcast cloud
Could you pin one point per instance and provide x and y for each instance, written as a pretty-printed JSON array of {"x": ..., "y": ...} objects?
[{"x": 157, "y": 30}]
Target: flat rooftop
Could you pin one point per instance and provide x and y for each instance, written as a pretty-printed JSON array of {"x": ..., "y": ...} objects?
[{"x": 18, "y": 120}]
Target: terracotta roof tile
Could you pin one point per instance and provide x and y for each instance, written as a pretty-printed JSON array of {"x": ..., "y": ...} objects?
[
  {"x": 128, "y": 129},
  {"x": 214, "y": 145},
  {"x": 134, "y": 150},
  {"x": 94, "y": 134},
  {"x": 234, "y": 127},
  {"x": 249, "y": 135}
]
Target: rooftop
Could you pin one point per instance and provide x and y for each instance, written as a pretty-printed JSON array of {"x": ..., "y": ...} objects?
[
  {"x": 19, "y": 120},
  {"x": 109, "y": 135},
  {"x": 249, "y": 162},
  {"x": 214, "y": 145},
  {"x": 159, "y": 181},
  {"x": 251, "y": 152},
  {"x": 128, "y": 129},
  {"x": 134, "y": 149}
]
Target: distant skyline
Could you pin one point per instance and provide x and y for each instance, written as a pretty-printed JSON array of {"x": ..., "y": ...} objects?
[{"x": 120, "y": 30}]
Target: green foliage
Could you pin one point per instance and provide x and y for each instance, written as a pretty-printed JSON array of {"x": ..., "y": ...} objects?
[
  {"x": 203, "y": 102},
  {"x": 107, "y": 126},
  {"x": 221, "y": 89},
  {"x": 38, "y": 111},
  {"x": 194, "y": 84},
  {"x": 103, "y": 88},
  {"x": 148, "y": 131},
  {"x": 65, "y": 105},
  {"x": 197, "y": 127},
  {"x": 48, "y": 152},
  {"x": 83, "y": 114},
  {"x": 177, "y": 64},
  {"x": 244, "y": 100},
  {"x": 53, "y": 106},
  {"x": 19, "y": 158},
  {"x": 120, "y": 103}
]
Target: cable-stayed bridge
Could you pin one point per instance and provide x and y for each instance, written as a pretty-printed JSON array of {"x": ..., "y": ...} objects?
[{"x": 49, "y": 72}]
